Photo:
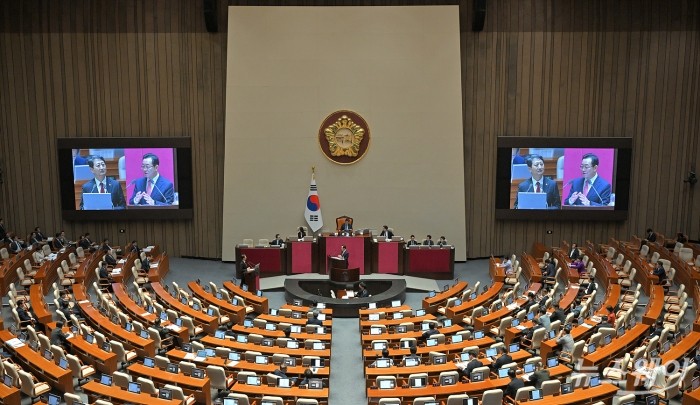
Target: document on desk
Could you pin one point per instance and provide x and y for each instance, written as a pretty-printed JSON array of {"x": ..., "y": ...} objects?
[
  {"x": 121, "y": 261},
  {"x": 520, "y": 327},
  {"x": 512, "y": 307},
  {"x": 232, "y": 363},
  {"x": 189, "y": 356},
  {"x": 15, "y": 343},
  {"x": 586, "y": 325}
]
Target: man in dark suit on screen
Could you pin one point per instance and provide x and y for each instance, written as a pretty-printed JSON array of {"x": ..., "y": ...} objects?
[
  {"x": 538, "y": 183},
  {"x": 591, "y": 189},
  {"x": 153, "y": 189},
  {"x": 103, "y": 184}
]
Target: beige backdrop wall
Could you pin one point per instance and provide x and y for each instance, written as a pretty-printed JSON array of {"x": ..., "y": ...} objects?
[{"x": 398, "y": 67}]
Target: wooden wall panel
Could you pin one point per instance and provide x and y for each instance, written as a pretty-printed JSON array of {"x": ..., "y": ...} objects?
[{"x": 78, "y": 68}]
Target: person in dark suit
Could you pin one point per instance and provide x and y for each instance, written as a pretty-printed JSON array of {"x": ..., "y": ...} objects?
[
  {"x": 59, "y": 242},
  {"x": 386, "y": 232},
  {"x": 514, "y": 385},
  {"x": 39, "y": 235},
  {"x": 549, "y": 271},
  {"x": 591, "y": 189},
  {"x": 363, "y": 293},
  {"x": 314, "y": 319},
  {"x": 471, "y": 365},
  {"x": 574, "y": 253},
  {"x": 539, "y": 376},
  {"x": 442, "y": 241},
  {"x": 412, "y": 241},
  {"x": 432, "y": 330},
  {"x": 301, "y": 233},
  {"x": 502, "y": 360},
  {"x": 651, "y": 235},
  {"x": 152, "y": 189},
  {"x": 26, "y": 315},
  {"x": 58, "y": 338},
  {"x": 428, "y": 241},
  {"x": 244, "y": 269},
  {"x": 103, "y": 184},
  {"x": 660, "y": 272},
  {"x": 538, "y": 183},
  {"x": 277, "y": 241},
  {"x": 346, "y": 227},
  {"x": 344, "y": 254},
  {"x": 413, "y": 350},
  {"x": 15, "y": 244},
  {"x": 281, "y": 372}
]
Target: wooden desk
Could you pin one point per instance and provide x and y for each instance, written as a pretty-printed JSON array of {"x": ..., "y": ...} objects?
[
  {"x": 143, "y": 347},
  {"x": 235, "y": 312},
  {"x": 9, "y": 395},
  {"x": 442, "y": 392},
  {"x": 36, "y": 298},
  {"x": 431, "y": 304},
  {"x": 644, "y": 269},
  {"x": 105, "y": 362},
  {"x": 430, "y": 261},
  {"x": 302, "y": 257},
  {"x": 200, "y": 387},
  {"x": 9, "y": 269},
  {"x": 293, "y": 393},
  {"x": 328, "y": 323},
  {"x": 387, "y": 257},
  {"x": 580, "y": 332},
  {"x": 604, "y": 354},
  {"x": 272, "y": 259},
  {"x": 605, "y": 272},
  {"x": 604, "y": 392},
  {"x": 457, "y": 313},
  {"x": 484, "y": 322},
  {"x": 531, "y": 269},
  {"x": 416, "y": 320},
  {"x": 563, "y": 261},
  {"x": 423, "y": 351},
  {"x": 145, "y": 317},
  {"x": 121, "y": 273},
  {"x": 364, "y": 313},
  {"x": 43, "y": 370},
  {"x": 278, "y": 333},
  {"x": 260, "y": 369},
  {"x": 691, "y": 398},
  {"x": 259, "y": 304},
  {"x": 120, "y": 396},
  {"x": 209, "y": 323},
  {"x": 212, "y": 342},
  {"x": 48, "y": 273},
  {"x": 160, "y": 265},
  {"x": 570, "y": 296},
  {"x": 655, "y": 305},
  {"x": 396, "y": 337}
]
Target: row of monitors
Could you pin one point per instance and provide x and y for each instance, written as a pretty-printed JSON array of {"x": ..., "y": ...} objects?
[
  {"x": 236, "y": 357},
  {"x": 396, "y": 315},
  {"x": 269, "y": 342},
  {"x": 295, "y": 315}
]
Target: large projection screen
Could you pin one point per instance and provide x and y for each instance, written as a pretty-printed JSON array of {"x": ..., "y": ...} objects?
[{"x": 290, "y": 67}]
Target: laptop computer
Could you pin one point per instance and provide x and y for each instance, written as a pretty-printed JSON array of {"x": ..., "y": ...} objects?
[
  {"x": 411, "y": 362},
  {"x": 292, "y": 344},
  {"x": 373, "y": 317},
  {"x": 395, "y": 303},
  {"x": 7, "y": 380},
  {"x": 97, "y": 201},
  {"x": 420, "y": 312},
  {"x": 491, "y": 352},
  {"x": 397, "y": 315},
  {"x": 479, "y": 334},
  {"x": 431, "y": 342},
  {"x": 315, "y": 384},
  {"x": 270, "y": 326},
  {"x": 457, "y": 338},
  {"x": 535, "y": 395},
  {"x": 607, "y": 339},
  {"x": 382, "y": 363},
  {"x": 513, "y": 347},
  {"x": 552, "y": 362},
  {"x": 253, "y": 380},
  {"x": 503, "y": 372},
  {"x": 284, "y": 383},
  {"x": 149, "y": 362},
  {"x": 566, "y": 388},
  {"x": 106, "y": 379},
  {"x": 54, "y": 399},
  {"x": 63, "y": 363},
  {"x": 440, "y": 359},
  {"x": 172, "y": 368},
  {"x": 652, "y": 399},
  {"x": 375, "y": 331},
  {"x": 134, "y": 387},
  {"x": 372, "y": 305},
  {"x": 197, "y": 373},
  {"x": 431, "y": 294},
  {"x": 476, "y": 376},
  {"x": 594, "y": 381},
  {"x": 528, "y": 368},
  {"x": 419, "y": 382},
  {"x": 167, "y": 393},
  {"x": 532, "y": 201},
  {"x": 386, "y": 384}
]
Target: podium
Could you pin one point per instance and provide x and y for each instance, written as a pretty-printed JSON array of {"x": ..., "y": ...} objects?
[{"x": 340, "y": 273}]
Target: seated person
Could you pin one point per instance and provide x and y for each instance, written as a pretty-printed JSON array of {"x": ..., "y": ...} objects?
[
  {"x": 346, "y": 227},
  {"x": 384, "y": 356},
  {"x": 314, "y": 319},
  {"x": 58, "y": 338},
  {"x": 386, "y": 232},
  {"x": 428, "y": 241},
  {"x": 308, "y": 374},
  {"x": 412, "y": 241},
  {"x": 471, "y": 365},
  {"x": 413, "y": 355},
  {"x": 430, "y": 332},
  {"x": 281, "y": 372},
  {"x": 539, "y": 376},
  {"x": 442, "y": 241},
  {"x": 514, "y": 385},
  {"x": 277, "y": 241},
  {"x": 548, "y": 271},
  {"x": 503, "y": 358},
  {"x": 578, "y": 265},
  {"x": 660, "y": 272},
  {"x": 363, "y": 292}
]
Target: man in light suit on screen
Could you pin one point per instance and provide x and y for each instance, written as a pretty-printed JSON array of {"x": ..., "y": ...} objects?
[
  {"x": 538, "y": 183},
  {"x": 153, "y": 189}
]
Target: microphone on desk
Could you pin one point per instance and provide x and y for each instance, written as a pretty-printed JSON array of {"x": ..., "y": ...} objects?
[
  {"x": 319, "y": 292},
  {"x": 596, "y": 193}
]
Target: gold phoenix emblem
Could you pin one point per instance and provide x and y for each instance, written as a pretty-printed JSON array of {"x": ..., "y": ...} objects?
[{"x": 344, "y": 137}]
